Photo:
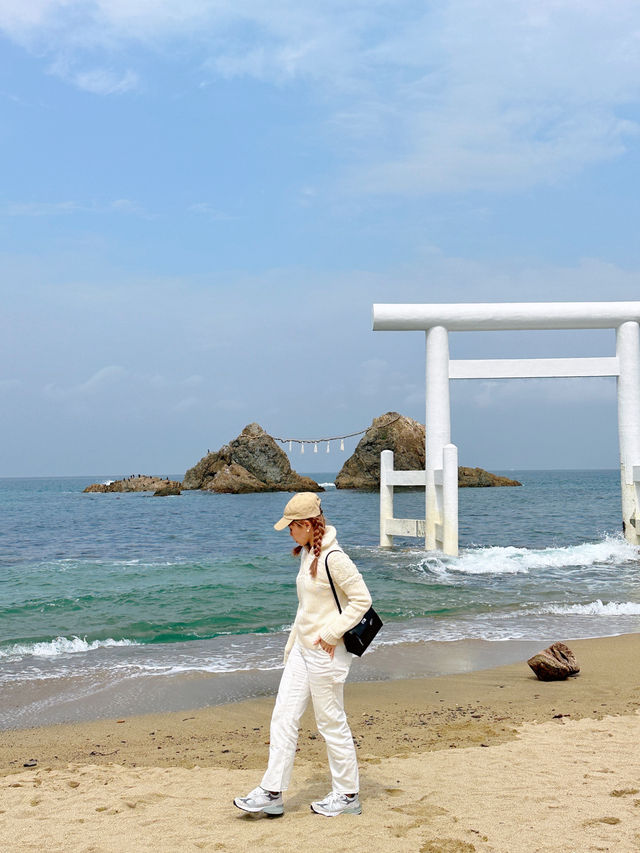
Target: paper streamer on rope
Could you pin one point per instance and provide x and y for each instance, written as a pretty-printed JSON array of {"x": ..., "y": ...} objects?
[{"x": 317, "y": 441}]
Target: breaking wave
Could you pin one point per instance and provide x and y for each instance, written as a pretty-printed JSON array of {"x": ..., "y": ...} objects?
[
  {"x": 60, "y": 646},
  {"x": 511, "y": 560}
]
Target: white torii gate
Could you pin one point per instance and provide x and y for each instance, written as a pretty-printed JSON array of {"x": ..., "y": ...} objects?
[{"x": 440, "y": 478}]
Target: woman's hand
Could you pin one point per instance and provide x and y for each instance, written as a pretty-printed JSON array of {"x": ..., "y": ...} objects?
[{"x": 325, "y": 646}]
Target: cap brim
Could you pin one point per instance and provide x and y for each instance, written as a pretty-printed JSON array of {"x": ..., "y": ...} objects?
[{"x": 284, "y": 522}]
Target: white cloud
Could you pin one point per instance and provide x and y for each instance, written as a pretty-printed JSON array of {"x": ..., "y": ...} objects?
[
  {"x": 157, "y": 381},
  {"x": 125, "y": 205},
  {"x": 42, "y": 208},
  {"x": 136, "y": 390},
  {"x": 63, "y": 208},
  {"x": 373, "y": 373},
  {"x": 97, "y": 383},
  {"x": 205, "y": 209},
  {"x": 514, "y": 392},
  {"x": 193, "y": 381},
  {"x": 186, "y": 404},
  {"x": 503, "y": 97},
  {"x": 103, "y": 81},
  {"x": 231, "y": 405},
  {"x": 465, "y": 94},
  {"x": 382, "y": 380},
  {"x": 105, "y": 376}
]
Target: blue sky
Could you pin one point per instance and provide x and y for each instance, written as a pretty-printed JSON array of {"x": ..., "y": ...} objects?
[{"x": 201, "y": 200}]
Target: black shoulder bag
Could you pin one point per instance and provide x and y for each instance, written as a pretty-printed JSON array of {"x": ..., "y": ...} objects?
[{"x": 358, "y": 638}]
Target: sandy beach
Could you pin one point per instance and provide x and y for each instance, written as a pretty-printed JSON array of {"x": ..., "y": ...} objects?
[{"x": 492, "y": 760}]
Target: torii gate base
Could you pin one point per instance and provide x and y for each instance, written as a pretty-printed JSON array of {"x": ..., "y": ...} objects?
[{"x": 440, "y": 477}]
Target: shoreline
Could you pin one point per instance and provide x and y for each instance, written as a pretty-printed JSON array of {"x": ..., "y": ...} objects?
[
  {"x": 487, "y": 761},
  {"x": 104, "y": 694},
  {"x": 474, "y": 704}
]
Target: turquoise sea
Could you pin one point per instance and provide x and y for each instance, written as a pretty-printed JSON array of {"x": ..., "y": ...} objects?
[{"x": 102, "y": 594}]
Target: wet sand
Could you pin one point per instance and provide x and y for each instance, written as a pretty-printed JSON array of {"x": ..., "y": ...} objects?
[
  {"x": 492, "y": 760},
  {"x": 108, "y": 691}
]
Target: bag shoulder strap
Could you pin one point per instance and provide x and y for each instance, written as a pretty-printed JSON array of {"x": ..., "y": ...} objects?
[{"x": 333, "y": 589}]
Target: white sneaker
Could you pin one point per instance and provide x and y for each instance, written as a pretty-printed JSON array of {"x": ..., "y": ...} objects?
[
  {"x": 260, "y": 800},
  {"x": 335, "y": 804}
]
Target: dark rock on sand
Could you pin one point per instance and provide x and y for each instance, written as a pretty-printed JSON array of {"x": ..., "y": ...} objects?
[
  {"x": 406, "y": 438},
  {"x": 139, "y": 483},
  {"x": 252, "y": 462},
  {"x": 554, "y": 663}
]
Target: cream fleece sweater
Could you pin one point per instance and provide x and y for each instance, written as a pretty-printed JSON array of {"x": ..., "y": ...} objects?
[{"x": 318, "y": 615}]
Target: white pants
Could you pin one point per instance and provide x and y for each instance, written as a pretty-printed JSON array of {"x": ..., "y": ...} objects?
[{"x": 312, "y": 673}]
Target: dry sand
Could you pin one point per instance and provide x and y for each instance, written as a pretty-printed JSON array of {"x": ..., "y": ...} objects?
[{"x": 487, "y": 761}]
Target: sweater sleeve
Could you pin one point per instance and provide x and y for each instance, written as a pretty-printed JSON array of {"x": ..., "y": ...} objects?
[{"x": 348, "y": 579}]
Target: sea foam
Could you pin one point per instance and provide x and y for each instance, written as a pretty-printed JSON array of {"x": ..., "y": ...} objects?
[
  {"x": 593, "y": 608},
  {"x": 60, "y": 646},
  {"x": 612, "y": 550}
]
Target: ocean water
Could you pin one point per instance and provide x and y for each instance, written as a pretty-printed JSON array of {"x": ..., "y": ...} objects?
[{"x": 102, "y": 590}]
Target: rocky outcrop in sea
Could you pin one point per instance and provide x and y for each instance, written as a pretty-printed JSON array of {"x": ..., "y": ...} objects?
[
  {"x": 137, "y": 483},
  {"x": 252, "y": 462},
  {"x": 388, "y": 432},
  {"x": 406, "y": 438},
  {"x": 471, "y": 478}
]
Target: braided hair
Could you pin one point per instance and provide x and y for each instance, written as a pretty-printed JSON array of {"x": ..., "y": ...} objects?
[{"x": 318, "y": 525}]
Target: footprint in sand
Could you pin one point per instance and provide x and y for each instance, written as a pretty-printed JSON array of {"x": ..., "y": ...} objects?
[
  {"x": 422, "y": 809},
  {"x": 612, "y": 821},
  {"x": 405, "y": 829},
  {"x": 447, "y": 845},
  {"x": 623, "y": 792}
]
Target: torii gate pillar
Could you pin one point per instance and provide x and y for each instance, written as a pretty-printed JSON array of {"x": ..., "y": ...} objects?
[
  {"x": 441, "y": 492},
  {"x": 628, "y": 354}
]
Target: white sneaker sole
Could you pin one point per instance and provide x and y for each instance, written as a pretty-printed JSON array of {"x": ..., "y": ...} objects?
[
  {"x": 349, "y": 810},
  {"x": 271, "y": 811}
]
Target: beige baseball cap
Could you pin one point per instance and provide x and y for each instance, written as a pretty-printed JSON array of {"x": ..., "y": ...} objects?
[{"x": 302, "y": 505}]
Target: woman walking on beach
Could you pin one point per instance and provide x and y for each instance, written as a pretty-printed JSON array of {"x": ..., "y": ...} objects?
[{"x": 316, "y": 665}]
